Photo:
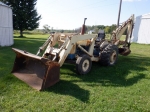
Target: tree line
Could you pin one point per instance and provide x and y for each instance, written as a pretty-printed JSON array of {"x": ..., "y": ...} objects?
[{"x": 94, "y": 28}]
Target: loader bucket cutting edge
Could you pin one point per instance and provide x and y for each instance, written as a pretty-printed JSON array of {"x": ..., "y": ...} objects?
[{"x": 37, "y": 72}]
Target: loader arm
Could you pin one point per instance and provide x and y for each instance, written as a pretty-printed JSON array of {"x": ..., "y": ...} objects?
[
  {"x": 73, "y": 42},
  {"x": 44, "y": 45},
  {"x": 69, "y": 46}
]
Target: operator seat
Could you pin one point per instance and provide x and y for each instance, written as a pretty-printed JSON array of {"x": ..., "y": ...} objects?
[{"x": 101, "y": 35}]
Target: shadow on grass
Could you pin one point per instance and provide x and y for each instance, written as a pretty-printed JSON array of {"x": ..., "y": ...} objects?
[
  {"x": 20, "y": 37},
  {"x": 68, "y": 88},
  {"x": 128, "y": 71},
  {"x": 116, "y": 76},
  {"x": 31, "y": 38}
]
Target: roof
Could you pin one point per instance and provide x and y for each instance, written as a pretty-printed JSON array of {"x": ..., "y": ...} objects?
[
  {"x": 144, "y": 16},
  {"x": 1, "y": 3}
]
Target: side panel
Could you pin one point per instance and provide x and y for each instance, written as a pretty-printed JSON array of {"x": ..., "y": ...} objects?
[
  {"x": 6, "y": 26},
  {"x": 144, "y": 33}
]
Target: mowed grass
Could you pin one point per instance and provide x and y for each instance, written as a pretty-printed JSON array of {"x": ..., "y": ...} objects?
[{"x": 123, "y": 87}]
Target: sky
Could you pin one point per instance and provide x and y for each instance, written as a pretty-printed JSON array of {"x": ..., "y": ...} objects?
[{"x": 70, "y": 14}]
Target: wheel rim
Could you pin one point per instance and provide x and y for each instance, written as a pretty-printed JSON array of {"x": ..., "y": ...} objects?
[
  {"x": 113, "y": 57},
  {"x": 85, "y": 65}
]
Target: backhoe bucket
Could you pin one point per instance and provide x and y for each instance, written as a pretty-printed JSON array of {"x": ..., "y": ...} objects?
[
  {"x": 124, "y": 52},
  {"x": 36, "y": 71}
]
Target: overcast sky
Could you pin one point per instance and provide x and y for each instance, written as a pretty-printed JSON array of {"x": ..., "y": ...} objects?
[{"x": 69, "y": 14}]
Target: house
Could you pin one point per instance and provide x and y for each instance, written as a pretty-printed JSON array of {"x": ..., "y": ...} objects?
[
  {"x": 91, "y": 32},
  {"x": 6, "y": 25},
  {"x": 141, "y": 31}
]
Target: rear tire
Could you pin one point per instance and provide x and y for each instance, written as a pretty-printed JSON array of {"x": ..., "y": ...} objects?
[
  {"x": 83, "y": 65},
  {"x": 109, "y": 55}
]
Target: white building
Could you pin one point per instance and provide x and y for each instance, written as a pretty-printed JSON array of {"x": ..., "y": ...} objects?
[
  {"x": 6, "y": 25},
  {"x": 91, "y": 32},
  {"x": 141, "y": 31}
]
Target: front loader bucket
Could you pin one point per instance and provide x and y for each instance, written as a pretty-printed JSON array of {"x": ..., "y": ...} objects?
[{"x": 36, "y": 71}]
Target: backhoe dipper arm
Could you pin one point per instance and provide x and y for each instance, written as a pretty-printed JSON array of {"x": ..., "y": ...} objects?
[{"x": 116, "y": 35}]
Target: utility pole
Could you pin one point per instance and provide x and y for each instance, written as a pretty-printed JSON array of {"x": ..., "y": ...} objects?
[{"x": 119, "y": 13}]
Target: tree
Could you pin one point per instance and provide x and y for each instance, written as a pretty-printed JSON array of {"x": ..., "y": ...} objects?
[
  {"x": 96, "y": 30},
  {"x": 107, "y": 30},
  {"x": 113, "y": 27},
  {"x": 25, "y": 16},
  {"x": 62, "y": 31},
  {"x": 78, "y": 30},
  {"x": 101, "y": 27},
  {"x": 46, "y": 28}
]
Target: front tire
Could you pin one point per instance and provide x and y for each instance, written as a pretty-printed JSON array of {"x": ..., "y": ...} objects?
[{"x": 83, "y": 65}]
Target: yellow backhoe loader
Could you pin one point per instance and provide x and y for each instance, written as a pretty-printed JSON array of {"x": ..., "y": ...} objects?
[{"x": 41, "y": 72}]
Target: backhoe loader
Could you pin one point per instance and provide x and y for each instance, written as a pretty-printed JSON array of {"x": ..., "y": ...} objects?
[{"x": 41, "y": 72}]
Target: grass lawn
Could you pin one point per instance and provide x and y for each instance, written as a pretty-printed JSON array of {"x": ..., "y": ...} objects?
[{"x": 123, "y": 87}]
